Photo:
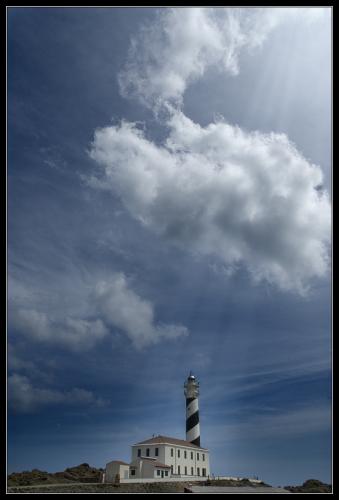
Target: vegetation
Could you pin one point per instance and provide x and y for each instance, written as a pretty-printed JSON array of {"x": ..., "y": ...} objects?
[
  {"x": 82, "y": 473},
  {"x": 310, "y": 486},
  {"x": 234, "y": 482}
]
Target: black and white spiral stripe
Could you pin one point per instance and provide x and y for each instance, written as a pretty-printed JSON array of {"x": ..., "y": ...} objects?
[{"x": 192, "y": 421}]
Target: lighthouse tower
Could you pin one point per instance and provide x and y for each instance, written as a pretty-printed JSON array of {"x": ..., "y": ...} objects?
[{"x": 192, "y": 410}]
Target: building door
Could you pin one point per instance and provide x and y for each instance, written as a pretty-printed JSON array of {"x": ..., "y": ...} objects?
[{"x": 162, "y": 473}]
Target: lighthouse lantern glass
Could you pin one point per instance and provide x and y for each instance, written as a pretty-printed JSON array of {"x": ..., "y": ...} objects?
[{"x": 191, "y": 388}]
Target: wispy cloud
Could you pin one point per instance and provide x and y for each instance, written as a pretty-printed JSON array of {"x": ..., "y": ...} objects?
[
  {"x": 181, "y": 44},
  {"x": 121, "y": 307},
  {"x": 74, "y": 333},
  {"x": 112, "y": 306},
  {"x": 24, "y": 397},
  {"x": 262, "y": 377},
  {"x": 20, "y": 362},
  {"x": 300, "y": 421}
]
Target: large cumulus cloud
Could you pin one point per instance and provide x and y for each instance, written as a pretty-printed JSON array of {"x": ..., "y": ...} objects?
[{"x": 245, "y": 198}]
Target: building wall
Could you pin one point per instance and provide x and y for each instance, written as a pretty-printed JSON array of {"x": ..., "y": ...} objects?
[
  {"x": 162, "y": 471},
  {"x": 177, "y": 461},
  {"x": 147, "y": 469},
  {"x": 143, "y": 448},
  {"x": 112, "y": 469},
  {"x": 158, "y": 480},
  {"x": 137, "y": 464},
  {"x": 180, "y": 462},
  {"x": 124, "y": 471},
  {"x": 144, "y": 468}
]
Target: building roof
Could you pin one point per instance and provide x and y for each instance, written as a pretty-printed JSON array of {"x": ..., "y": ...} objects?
[
  {"x": 169, "y": 440},
  {"x": 153, "y": 461},
  {"x": 120, "y": 462},
  {"x": 164, "y": 466},
  {"x": 157, "y": 464}
]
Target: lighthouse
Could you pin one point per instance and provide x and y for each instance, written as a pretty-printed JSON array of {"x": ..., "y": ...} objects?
[
  {"x": 192, "y": 410},
  {"x": 163, "y": 457}
]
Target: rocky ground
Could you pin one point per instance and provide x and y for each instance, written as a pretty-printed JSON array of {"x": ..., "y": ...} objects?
[
  {"x": 102, "y": 488},
  {"x": 86, "y": 479},
  {"x": 81, "y": 473}
]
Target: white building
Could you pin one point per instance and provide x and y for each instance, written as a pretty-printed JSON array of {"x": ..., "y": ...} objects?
[
  {"x": 114, "y": 468},
  {"x": 182, "y": 457},
  {"x": 149, "y": 468}
]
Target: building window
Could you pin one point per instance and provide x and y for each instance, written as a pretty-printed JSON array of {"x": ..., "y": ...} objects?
[
  {"x": 156, "y": 452},
  {"x": 197, "y": 456},
  {"x": 204, "y": 472},
  {"x": 139, "y": 452},
  {"x": 185, "y": 470},
  {"x": 185, "y": 454},
  {"x": 198, "y": 471},
  {"x": 171, "y": 469},
  {"x": 132, "y": 472},
  {"x": 147, "y": 452},
  {"x": 203, "y": 457},
  {"x": 166, "y": 472},
  {"x": 191, "y": 455},
  {"x": 158, "y": 472},
  {"x": 178, "y": 453},
  {"x": 171, "y": 452},
  {"x": 192, "y": 471},
  {"x": 178, "y": 469}
]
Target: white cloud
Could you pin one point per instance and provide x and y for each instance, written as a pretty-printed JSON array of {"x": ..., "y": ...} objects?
[
  {"x": 180, "y": 44},
  {"x": 245, "y": 198},
  {"x": 122, "y": 308},
  {"x": 74, "y": 333},
  {"x": 18, "y": 363},
  {"x": 242, "y": 197},
  {"x": 112, "y": 302},
  {"x": 24, "y": 397}
]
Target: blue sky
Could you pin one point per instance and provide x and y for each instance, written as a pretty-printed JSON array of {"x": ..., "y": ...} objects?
[{"x": 169, "y": 178}]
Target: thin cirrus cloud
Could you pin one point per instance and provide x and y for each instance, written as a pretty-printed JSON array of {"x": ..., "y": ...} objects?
[
  {"x": 291, "y": 423},
  {"x": 177, "y": 49},
  {"x": 244, "y": 198},
  {"x": 116, "y": 306}
]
